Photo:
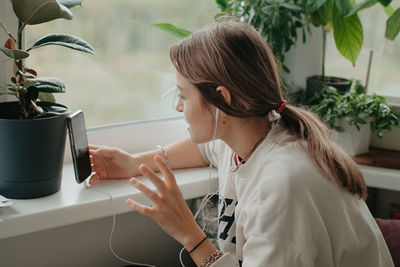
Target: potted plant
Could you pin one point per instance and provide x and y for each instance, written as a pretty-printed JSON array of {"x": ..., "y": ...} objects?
[
  {"x": 341, "y": 16},
  {"x": 353, "y": 115},
  {"x": 33, "y": 132}
]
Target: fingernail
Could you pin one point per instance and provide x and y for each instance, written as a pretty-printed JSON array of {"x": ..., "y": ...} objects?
[{"x": 133, "y": 181}]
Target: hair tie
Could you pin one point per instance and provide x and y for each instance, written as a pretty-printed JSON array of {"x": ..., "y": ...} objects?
[{"x": 281, "y": 107}]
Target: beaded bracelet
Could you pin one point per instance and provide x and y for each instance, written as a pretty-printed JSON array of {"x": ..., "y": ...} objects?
[
  {"x": 212, "y": 258},
  {"x": 164, "y": 153}
]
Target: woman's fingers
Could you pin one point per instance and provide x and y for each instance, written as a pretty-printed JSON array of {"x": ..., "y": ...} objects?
[
  {"x": 164, "y": 169},
  {"x": 139, "y": 208},
  {"x": 93, "y": 147},
  {"x": 153, "y": 196},
  {"x": 157, "y": 181}
]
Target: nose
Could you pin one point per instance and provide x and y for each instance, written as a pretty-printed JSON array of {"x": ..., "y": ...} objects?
[{"x": 179, "y": 106}]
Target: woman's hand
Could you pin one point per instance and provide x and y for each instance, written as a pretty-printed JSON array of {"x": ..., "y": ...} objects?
[
  {"x": 110, "y": 163},
  {"x": 169, "y": 208}
]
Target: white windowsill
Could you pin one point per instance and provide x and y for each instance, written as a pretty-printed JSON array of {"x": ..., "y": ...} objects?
[{"x": 75, "y": 204}]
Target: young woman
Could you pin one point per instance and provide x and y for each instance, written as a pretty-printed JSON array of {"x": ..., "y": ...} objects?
[{"x": 289, "y": 195}]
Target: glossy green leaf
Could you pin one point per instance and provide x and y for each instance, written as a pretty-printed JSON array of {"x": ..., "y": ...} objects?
[
  {"x": 360, "y": 6},
  {"x": 48, "y": 97},
  {"x": 221, "y": 3},
  {"x": 291, "y": 7},
  {"x": 49, "y": 85},
  {"x": 179, "y": 32},
  {"x": 344, "y": 6},
  {"x": 29, "y": 82},
  {"x": 40, "y": 11},
  {"x": 70, "y": 3},
  {"x": 348, "y": 35},
  {"x": 314, "y": 5},
  {"x": 50, "y": 111},
  {"x": 389, "y": 10},
  {"x": 385, "y": 2},
  {"x": 15, "y": 54},
  {"x": 65, "y": 40},
  {"x": 323, "y": 15},
  {"x": 393, "y": 25}
]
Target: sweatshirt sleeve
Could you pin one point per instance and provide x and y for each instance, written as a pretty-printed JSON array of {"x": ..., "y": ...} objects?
[
  {"x": 260, "y": 251},
  {"x": 209, "y": 151}
]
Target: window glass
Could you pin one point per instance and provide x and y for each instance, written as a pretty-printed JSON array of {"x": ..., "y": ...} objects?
[
  {"x": 385, "y": 68},
  {"x": 131, "y": 71}
]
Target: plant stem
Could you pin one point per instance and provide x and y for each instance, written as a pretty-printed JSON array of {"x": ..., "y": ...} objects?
[
  {"x": 19, "y": 35},
  {"x": 371, "y": 53},
  {"x": 323, "y": 53},
  {"x": 19, "y": 42}
]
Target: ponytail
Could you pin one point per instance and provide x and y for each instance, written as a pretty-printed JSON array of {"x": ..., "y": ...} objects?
[{"x": 331, "y": 160}]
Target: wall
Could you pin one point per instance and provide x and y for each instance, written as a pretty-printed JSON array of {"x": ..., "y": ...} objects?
[
  {"x": 304, "y": 60},
  {"x": 136, "y": 238}
]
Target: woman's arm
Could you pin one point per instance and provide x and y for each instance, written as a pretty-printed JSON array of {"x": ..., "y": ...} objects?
[
  {"x": 114, "y": 163},
  {"x": 181, "y": 154}
]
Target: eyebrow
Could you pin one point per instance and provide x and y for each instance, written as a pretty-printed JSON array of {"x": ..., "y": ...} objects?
[{"x": 180, "y": 88}]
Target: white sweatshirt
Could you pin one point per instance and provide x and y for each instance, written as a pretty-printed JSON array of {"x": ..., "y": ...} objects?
[{"x": 278, "y": 210}]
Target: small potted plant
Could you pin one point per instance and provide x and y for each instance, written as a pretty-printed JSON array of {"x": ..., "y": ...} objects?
[
  {"x": 353, "y": 115},
  {"x": 33, "y": 132},
  {"x": 341, "y": 16}
]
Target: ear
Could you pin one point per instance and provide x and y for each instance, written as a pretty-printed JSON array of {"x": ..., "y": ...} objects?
[{"x": 225, "y": 93}]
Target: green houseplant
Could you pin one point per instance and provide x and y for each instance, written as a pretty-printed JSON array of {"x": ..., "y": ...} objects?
[
  {"x": 356, "y": 114},
  {"x": 33, "y": 132},
  {"x": 277, "y": 20},
  {"x": 341, "y": 16}
]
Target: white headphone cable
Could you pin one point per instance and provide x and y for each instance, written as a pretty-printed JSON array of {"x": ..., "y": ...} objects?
[{"x": 113, "y": 228}]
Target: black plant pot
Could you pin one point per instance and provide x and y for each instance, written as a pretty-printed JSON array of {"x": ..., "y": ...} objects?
[
  {"x": 316, "y": 83},
  {"x": 31, "y": 153}
]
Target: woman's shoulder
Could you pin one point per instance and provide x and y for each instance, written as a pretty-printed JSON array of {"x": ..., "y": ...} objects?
[{"x": 286, "y": 163}]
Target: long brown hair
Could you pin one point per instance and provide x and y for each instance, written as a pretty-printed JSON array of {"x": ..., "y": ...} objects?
[{"x": 235, "y": 55}]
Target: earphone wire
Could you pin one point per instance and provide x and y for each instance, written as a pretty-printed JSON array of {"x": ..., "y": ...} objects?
[{"x": 113, "y": 229}]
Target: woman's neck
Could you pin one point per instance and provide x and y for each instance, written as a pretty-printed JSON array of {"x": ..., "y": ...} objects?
[{"x": 243, "y": 135}]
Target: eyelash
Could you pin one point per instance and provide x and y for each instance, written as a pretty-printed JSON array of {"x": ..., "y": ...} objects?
[{"x": 181, "y": 97}]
